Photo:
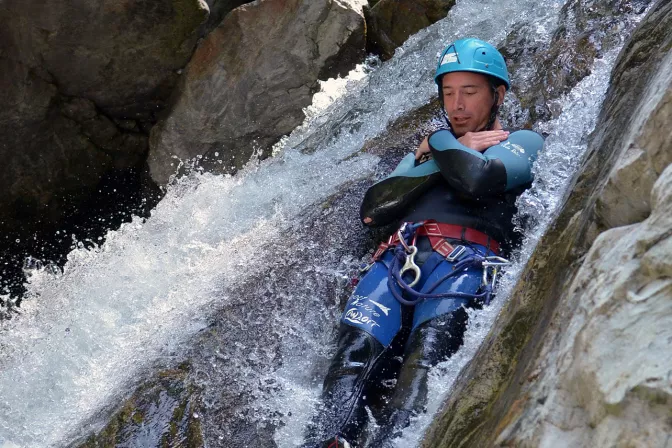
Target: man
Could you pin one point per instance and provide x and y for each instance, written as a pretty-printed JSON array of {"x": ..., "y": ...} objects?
[{"x": 456, "y": 197}]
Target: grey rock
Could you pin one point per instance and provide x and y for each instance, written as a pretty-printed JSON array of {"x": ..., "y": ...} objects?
[
  {"x": 390, "y": 22},
  {"x": 250, "y": 78},
  {"x": 625, "y": 198},
  {"x": 605, "y": 373},
  {"x": 218, "y": 10}
]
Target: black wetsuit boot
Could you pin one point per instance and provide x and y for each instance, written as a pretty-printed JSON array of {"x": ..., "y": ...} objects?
[
  {"x": 343, "y": 393},
  {"x": 429, "y": 344}
]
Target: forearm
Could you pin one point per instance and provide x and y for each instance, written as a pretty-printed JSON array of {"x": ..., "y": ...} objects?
[
  {"x": 387, "y": 200},
  {"x": 500, "y": 168}
]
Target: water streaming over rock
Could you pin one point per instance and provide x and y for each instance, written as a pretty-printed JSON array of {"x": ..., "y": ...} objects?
[{"x": 243, "y": 276}]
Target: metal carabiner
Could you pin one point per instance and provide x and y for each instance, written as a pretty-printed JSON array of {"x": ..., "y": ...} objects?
[
  {"x": 365, "y": 267},
  {"x": 410, "y": 265},
  {"x": 493, "y": 263},
  {"x": 493, "y": 275},
  {"x": 402, "y": 239},
  {"x": 496, "y": 261}
]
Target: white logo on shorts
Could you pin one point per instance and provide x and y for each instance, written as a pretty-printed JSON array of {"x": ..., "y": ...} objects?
[{"x": 383, "y": 308}]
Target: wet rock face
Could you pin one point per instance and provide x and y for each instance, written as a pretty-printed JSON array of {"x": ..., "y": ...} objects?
[
  {"x": 250, "y": 78},
  {"x": 218, "y": 10},
  {"x": 390, "y": 22},
  {"x": 579, "y": 357},
  {"x": 80, "y": 83},
  {"x": 608, "y": 379},
  {"x": 604, "y": 375},
  {"x": 586, "y": 31}
]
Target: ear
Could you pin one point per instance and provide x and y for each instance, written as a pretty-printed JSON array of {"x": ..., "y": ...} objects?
[{"x": 501, "y": 91}]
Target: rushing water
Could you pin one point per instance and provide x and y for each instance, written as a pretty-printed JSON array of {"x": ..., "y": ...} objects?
[{"x": 243, "y": 275}]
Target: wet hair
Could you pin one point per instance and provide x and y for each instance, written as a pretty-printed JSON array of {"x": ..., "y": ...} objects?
[{"x": 494, "y": 84}]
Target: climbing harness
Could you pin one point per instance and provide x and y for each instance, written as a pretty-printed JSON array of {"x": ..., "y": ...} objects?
[
  {"x": 437, "y": 232},
  {"x": 403, "y": 262}
]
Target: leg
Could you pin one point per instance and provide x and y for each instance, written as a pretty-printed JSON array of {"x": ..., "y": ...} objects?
[
  {"x": 438, "y": 332},
  {"x": 430, "y": 343},
  {"x": 370, "y": 323},
  {"x": 345, "y": 384}
]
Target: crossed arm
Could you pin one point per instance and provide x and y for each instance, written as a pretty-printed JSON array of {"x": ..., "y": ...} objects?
[
  {"x": 495, "y": 169},
  {"x": 493, "y": 163}
]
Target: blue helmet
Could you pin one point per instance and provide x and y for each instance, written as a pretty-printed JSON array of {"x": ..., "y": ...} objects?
[{"x": 472, "y": 55}]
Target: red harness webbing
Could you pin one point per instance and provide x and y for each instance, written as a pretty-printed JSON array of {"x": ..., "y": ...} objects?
[{"x": 437, "y": 233}]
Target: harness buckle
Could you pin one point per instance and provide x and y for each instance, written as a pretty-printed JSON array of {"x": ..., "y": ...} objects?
[
  {"x": 456, "y": 253},
  {"x": 364, "y": 267},
  {"x": 410, "y": 265}
]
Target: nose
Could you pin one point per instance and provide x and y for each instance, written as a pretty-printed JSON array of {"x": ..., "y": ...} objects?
[{"x": 456, "y": 101}]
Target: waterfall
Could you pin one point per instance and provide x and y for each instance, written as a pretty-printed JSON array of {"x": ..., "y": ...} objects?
[{"x": 242, "y": 255}]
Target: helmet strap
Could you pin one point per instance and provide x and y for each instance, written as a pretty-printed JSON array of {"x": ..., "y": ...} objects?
[
  {"x": 493, "y": 113},
  {"x": 443, "y": 109}
]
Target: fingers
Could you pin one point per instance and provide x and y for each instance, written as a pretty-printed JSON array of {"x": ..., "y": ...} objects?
[
  {"x": 422, "y": 149},
  {"x": 489, "y": 135},
  {"x": 482, "y": 140},
  {"x": 495, "y": 132}
]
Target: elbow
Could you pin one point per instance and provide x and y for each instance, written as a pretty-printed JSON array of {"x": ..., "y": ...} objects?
[
  {"x": 489, "y": 180},
  {"x": 366, "y": 220},
  {"x": 372, "y": 215},
  {"x": 479, "y": 186}
]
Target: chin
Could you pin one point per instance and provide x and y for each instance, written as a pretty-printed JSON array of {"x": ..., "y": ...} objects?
[{"x": 460, "y": 130}]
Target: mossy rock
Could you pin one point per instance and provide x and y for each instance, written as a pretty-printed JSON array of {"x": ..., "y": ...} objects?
[{"x": 166, "y": 402}]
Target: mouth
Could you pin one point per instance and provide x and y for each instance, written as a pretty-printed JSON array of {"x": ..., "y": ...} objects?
[{"x": 459, "y": 120}]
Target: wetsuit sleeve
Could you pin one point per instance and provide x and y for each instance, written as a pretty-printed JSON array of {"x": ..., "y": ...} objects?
[
  {"x": 500, "y": 168},
  {"x": 387, "y": 200}
]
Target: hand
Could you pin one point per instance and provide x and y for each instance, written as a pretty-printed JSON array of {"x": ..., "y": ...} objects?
[
  {"x": 482, "y": 140},
  {"x": 422, "y": 149}
]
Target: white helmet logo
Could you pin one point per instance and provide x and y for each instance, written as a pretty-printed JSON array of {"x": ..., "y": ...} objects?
[{"x": 448, "y": 58}]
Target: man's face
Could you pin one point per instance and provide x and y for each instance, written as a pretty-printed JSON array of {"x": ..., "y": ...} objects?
[{"x": 468, "y": 99}]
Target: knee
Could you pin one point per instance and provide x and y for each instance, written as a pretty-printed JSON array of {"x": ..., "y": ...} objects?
[
  {"x": 355, "y": 355},
  {"x": 437, "y": 339}
]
